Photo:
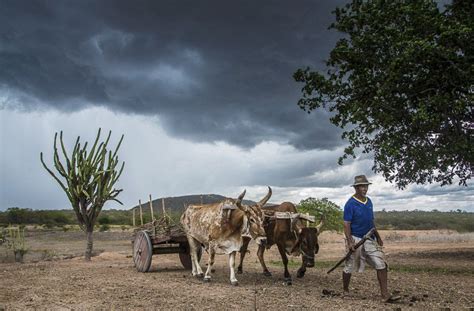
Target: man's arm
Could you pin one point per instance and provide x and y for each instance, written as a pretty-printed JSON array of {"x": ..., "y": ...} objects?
[{"x": 348, "y": 234}]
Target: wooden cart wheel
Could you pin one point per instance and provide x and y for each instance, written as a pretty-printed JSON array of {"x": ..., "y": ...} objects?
[
  {"x": 185, "y": 257},
  {"x": 142, "y": 251}
]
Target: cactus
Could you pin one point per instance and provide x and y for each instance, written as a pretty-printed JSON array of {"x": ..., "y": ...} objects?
[
  {"x": 14, "y": 238},
  {"x": 88, "y": 179}
]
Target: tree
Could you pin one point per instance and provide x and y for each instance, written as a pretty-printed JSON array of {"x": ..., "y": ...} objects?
[
  {"x": 88, "y": 179},
  {"x": 400, "y": 84},
  {"x": 330, "y": 211}
]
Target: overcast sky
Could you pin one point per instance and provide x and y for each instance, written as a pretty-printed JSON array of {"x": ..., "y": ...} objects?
[{"x": 202, "y": 90}]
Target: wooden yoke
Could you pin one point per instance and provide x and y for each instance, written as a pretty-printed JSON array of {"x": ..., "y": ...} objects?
[
  {"x": 288, "y": 215},
  {"x": 226, "y": 210}
]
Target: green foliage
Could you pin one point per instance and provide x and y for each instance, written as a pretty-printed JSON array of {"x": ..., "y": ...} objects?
[
  {"x": 22, "y": 216},
  {"x": 398, "y": 220},
  {"x": 420, "y": 220},
  {"x": 14, "y": 239},
  {"x": 3, "y": 236},
  {"x": 104, "y": 220},
  {"x": 58, "y": 218},
  {"x": 104, "y": 227},
  {"x": 400, "y": 85},
  {"x": 87, "y": 177},
  {"x": 331, "y": 212}
]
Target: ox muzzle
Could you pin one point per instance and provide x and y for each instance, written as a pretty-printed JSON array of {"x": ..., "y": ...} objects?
[{"x": 261, "y": 240}]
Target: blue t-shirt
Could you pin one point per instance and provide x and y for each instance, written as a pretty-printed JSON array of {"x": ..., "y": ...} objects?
[{"x": 361, "y": 216}]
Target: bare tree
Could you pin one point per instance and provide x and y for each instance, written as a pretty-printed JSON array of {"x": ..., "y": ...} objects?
[{"x": 88, "y": 179}]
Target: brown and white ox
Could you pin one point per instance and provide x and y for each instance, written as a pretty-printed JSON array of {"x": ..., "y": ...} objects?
[
  {"x": 288, "y": 231},
  {"x": 219, "y": 227}
]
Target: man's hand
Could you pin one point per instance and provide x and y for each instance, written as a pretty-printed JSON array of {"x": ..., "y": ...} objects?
[
  {"x": 351, "y": 244},
  {"x": 347, "y": 232},
  {"x": 379, "y": 239}
]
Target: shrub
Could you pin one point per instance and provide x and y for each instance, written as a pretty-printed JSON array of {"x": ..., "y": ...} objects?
[
  {"x": 331, "y": 212},
  {"x": 104, "y": 227}
]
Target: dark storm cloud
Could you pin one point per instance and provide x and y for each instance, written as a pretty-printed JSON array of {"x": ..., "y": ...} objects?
[{"x": 212, "y": 70}]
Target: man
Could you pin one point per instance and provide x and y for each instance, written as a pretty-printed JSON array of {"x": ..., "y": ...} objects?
[{"x": 358, "y": 220}]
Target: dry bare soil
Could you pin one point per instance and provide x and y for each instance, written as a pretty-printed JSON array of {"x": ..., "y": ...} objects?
[{"x": 429, "y": 270}]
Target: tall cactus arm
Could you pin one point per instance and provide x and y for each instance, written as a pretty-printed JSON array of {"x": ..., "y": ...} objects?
[
  {"x": 118, "y": 146},
  {"x": 107, "y": 139},
  {"x": 54, "y": 176},
  {"x": 68, "y": 162},
  {"x": 91, "y": 153},
  {"x": 117, "y": 175},
  {"x": 57, "y": 162}
]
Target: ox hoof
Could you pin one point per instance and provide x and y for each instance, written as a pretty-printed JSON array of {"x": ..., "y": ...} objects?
[
  {"x": 267, "y": 273},
  {"x": 213, "y": 270},
  {"x": 199, "y": 276},
  {"x": 239, "y": 270},
  {"x": 234, "y": 283},
  {"x": 206, "y": 280},
  {"x": 300, "y": 274},
  {"x": 288, "y": 281}
]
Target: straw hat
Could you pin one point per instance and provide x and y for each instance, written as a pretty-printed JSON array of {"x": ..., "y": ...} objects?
[{"x": 361, "y": 180}]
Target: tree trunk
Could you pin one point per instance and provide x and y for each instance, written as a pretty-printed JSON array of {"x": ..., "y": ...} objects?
[{"x": 88, "y": 253}]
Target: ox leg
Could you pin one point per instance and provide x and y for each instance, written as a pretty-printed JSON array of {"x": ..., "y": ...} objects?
[
  {"x": 193, "y": 247},
  {"x": 260, "y": 252},
  {"x": 210, "y": 263},
  {"x": 233, "y": 279},
  {"x": 302, "y": 269},
  {"x": 284, "y": 258},
  {"x": 243, "y": 252}
]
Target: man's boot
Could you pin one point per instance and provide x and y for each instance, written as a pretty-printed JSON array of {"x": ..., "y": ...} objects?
[
  {"x": 382, "y": 276},
  {"x": 346, "y": 279}
]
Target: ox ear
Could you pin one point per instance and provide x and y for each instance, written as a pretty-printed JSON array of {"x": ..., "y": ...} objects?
[
  {"x": 265, "y": 199},
  {"x": 238, "y": 202},
  {"x": 296, "y": 223},
  {"x": 299, "y": 228}
]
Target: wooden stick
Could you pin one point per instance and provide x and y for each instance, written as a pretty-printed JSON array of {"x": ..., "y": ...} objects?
[
  {"x": 163, "y": 206},
  {"x": 367, "y": 236},
  {"x": 151, "y": 210},
  {"x": 141, "y": 212},
  {"x": 307, "y": 221},
  {"x": 133, "y": 219}
]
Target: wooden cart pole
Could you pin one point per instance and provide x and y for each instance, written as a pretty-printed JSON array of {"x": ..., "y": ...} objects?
[
  {"x": 141, "y": 212},
  {"x": 133, "y": 219},
  {"x": 151, "y": 210},
  {"x": 165, "y": 217},
  {"x": 163, "y": 206}
]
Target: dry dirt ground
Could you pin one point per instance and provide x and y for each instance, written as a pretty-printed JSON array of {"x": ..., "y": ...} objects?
[{"x": 430, "y": 270}]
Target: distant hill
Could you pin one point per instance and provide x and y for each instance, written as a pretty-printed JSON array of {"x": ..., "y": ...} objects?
[{"x": 177, "y": 204}]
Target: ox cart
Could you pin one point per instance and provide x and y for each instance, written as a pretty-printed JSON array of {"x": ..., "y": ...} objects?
[{"x": 161, "y": 236}]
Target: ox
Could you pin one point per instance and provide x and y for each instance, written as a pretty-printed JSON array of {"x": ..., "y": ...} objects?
[
  {"x": 219, "y": 227},
  {"x": 290, "y": 234}
]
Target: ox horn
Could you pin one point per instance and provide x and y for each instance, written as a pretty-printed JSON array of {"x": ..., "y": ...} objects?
[
  {"x": 238, "y": 202},
  {"x": 318, "y": 227},
  {"x": 266, "y": 198}
]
